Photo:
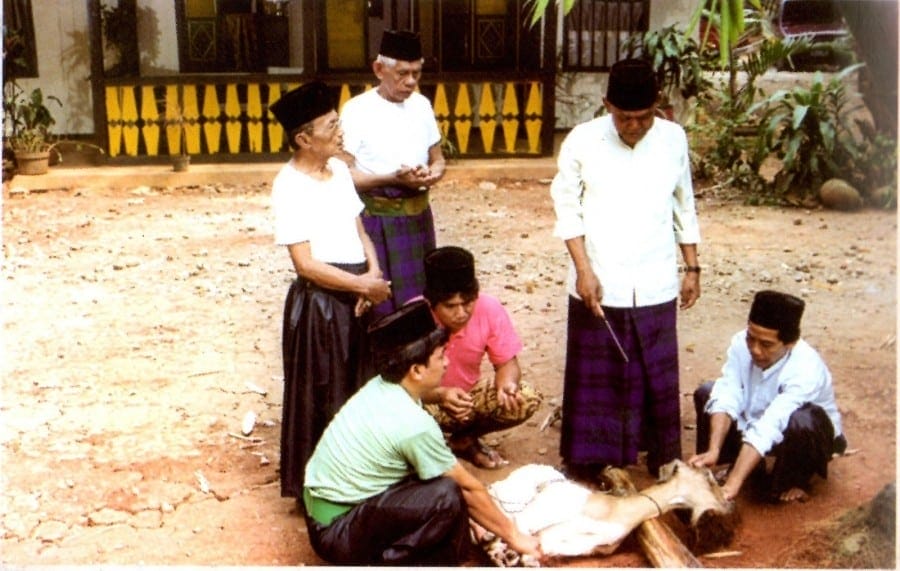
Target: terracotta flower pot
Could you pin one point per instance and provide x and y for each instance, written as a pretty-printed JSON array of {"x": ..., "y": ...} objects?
[
  {"x": 180, "y": 163},
  {"x": 32, "y": 163}
]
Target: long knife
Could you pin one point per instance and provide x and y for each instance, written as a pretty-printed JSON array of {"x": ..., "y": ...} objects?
[{"x": 614, "y": 338}]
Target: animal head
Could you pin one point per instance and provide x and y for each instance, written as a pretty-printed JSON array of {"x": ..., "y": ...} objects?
[{"x": 695, "y": 488}]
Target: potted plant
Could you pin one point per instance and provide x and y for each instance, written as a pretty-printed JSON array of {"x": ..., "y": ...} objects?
[
  {"x": 27, "y": 127},
  {"x": 176, "y": 135}
]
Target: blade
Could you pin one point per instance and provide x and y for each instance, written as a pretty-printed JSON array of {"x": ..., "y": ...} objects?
[{"x": 615, "y": 339}]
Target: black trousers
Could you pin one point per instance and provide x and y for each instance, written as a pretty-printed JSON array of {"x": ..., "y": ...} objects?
[
  {"x": 806, "y": 449},
  {"x": 414, "y": 522}
]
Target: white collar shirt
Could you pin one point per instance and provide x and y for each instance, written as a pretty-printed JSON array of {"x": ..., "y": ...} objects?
[
  {"x": 761, "y": 401},
  {"x": 632, "y": 205}
]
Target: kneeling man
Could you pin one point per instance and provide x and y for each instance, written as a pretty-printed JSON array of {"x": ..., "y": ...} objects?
[
  {"x": 382, "y": 487},
  {"x": 466, "y": 406},
  {"x": 774, "y": 397}
]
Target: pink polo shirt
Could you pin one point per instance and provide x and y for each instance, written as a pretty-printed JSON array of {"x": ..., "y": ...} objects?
[{"x": 490, "y": 330}]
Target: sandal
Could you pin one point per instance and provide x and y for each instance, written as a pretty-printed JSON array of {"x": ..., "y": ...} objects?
[{"x": 478, "y": 454}]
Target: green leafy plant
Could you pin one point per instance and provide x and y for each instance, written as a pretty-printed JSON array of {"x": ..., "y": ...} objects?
[
  {"x": 174, "y": 119},
  {"x": 805, "y": 128},
  {"x": 28, "y": 123},
  {"x": 535, "y": 9},
  {"x": 27, "y": 120},
  {"x": 676, "y": 58}
]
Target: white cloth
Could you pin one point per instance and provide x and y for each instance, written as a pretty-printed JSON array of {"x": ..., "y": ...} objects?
[
  {"x": 322, "y": 213},
  {"x": 383, "y": 135},
  {"x": 632, "y": 205},
  {"x": 761, "y": 402},
  {"x": 542, "y": 502}
]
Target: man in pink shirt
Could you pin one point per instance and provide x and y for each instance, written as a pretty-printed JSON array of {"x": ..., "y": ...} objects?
[{"x": 466, "y": 405}]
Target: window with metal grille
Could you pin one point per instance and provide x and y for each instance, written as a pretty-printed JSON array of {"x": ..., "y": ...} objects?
[
  {"x": 596, "y": 31},
  {"x": 19, "y": 53}
]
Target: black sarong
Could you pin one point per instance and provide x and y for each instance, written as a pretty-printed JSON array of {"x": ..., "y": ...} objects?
[{"x": 325, "y": 361}]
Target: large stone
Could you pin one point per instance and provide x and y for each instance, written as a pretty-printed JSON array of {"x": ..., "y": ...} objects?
[
  {"x": 838, "y": 194},
  {"x": 883, "y": 510},
  {"x": 881, "y": 197}
]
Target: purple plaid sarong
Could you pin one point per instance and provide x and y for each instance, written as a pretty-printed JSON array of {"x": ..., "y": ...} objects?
[
  {"x": 612, "y": 409},
  {"x": 401, "y": 243}
]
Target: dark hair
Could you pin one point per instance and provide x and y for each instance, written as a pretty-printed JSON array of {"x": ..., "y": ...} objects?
[
  {"x": 788, "y": 334},
  {"x": 394, "y": 365},
  {"x": 437, "y": 295}
]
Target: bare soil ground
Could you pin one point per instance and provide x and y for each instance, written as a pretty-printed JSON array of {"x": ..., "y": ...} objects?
[{"x": 141, "y": 325}]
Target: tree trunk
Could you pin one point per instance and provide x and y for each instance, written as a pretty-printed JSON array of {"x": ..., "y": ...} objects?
[
  {"x": 874, "y": 27},
  {"x": 659, "y": 543}
]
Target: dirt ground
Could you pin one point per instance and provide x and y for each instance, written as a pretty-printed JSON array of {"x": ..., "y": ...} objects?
[{"x": 142, "y": 325}]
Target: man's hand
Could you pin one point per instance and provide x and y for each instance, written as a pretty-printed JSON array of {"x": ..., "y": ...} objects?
[
  {"x": 707, "y": 459},
  {"x": 509, "y": 398},
  {"x": 375, "y": 289},
  {"x": 590, "y": 291},
  {"x": 526, "y": 544},
  {"x": 457, "y": 403},
  {"x": 419, "y": 177},
  {"x": 690, "y": 289}
]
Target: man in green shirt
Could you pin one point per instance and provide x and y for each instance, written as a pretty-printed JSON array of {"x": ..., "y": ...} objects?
[{"x": 382, "y": 487}]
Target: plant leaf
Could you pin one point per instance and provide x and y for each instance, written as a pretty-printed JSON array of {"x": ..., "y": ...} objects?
[{"x": 799, "y": 115}]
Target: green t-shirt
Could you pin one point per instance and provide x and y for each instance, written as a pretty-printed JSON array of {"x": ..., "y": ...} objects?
[{"x": 379, "y": 437}]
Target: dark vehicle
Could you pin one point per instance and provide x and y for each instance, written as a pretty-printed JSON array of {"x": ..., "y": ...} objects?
[{"x": 822, "y": 22}]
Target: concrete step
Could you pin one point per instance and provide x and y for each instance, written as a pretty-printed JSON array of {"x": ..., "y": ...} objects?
[{"x": 246, "y": 173}]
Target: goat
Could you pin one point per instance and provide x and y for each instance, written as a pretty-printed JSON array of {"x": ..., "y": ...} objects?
[{"x": 571, "y": 519}]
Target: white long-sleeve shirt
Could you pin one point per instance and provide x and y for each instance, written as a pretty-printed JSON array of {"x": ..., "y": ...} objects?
[
  {"x": 761, "y": 401},
  {"x": 632, "y": 205}
]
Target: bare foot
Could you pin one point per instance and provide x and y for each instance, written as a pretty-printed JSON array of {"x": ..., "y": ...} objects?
[
  {"x": 794, "y": 495},
  {"x": 478, "y": 453}
]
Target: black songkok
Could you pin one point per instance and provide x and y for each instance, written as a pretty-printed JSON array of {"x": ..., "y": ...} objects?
[
  {"x": 302, "y": 105},
  {"x": 450, "y": 270},
  {"x": 411, "y": 323},
  {"x": 401, "y": 45},
  {"x": 779, "y": 311},
  {"x": 632, "y": 85}
]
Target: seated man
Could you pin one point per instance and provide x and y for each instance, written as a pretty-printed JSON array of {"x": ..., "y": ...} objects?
[
  {"x": 382, "y": 487},
  {"x": 465, "y": 407},
  {"x": 774, "y": 397}
]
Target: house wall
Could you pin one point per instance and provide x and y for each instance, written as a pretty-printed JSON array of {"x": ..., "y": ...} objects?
[
  {"x": 64, "y": 63},
  {"x": 63, "y": 48},
  {"x": 579, "y": 96}
]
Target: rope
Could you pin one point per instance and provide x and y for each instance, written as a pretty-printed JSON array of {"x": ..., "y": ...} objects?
[{"x": 659, "y": 509}]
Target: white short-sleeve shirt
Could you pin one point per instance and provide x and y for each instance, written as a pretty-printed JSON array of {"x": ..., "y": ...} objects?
[
  {"x": 322, "y": 213},
  {"x": 383, "y": 135}
]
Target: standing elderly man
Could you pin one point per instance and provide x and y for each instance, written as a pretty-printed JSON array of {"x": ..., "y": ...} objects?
[
  {"x": 382, "y": 488},
  {"x": 466, "y": 406},
  {"x": 337, "y": 276},
  {"x": 774, "y": 397},
  {"x": 624, "y": 200},
  {"x": 394, "y": 144}
]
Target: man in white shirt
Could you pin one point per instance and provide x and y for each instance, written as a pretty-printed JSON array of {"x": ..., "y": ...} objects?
[
  {"x": 775, "y": 397},
  {"x": 393, "y": 146},
  {"x": 624, "y": 204}
]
